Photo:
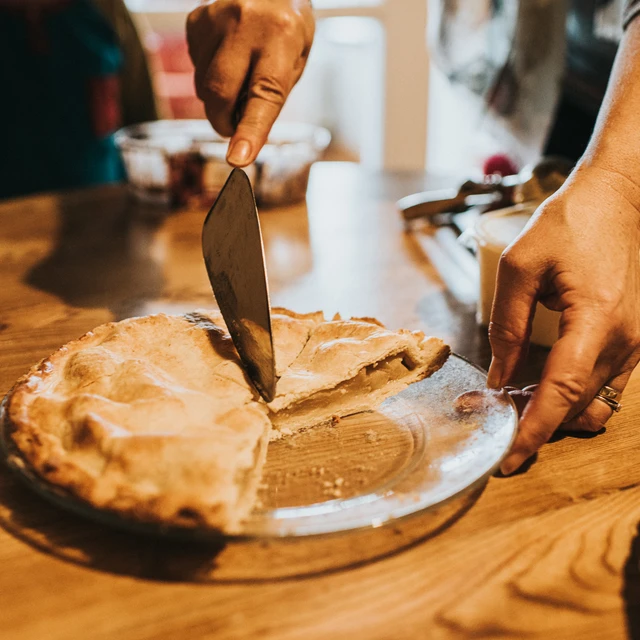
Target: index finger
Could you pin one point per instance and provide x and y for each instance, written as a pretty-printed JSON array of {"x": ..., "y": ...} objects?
[
  {"x": 567, "y": 375},
  {"x": 271, "y": 81},
  {"x": 511, "y": 317}
]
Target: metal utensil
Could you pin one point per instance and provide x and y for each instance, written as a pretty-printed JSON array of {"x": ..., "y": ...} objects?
[
  {"x": 234, "y": 257},
  {"x": 533, "y": 183},
  {"x": 429, "y": 204}
]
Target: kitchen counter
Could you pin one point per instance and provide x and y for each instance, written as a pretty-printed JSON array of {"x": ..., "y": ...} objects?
[{"x": 550, "y": 553}]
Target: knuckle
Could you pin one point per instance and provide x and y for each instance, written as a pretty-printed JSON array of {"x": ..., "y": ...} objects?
[
  {"x": 215, "y": 86},
  {"x": 570, "y": 386},
  {"x": 502, "y": 335},
  {"x": 608, "y": 299},
  {"x": 511, "y": 260},
  {"x": 270, "y": 89},
  {"x": 630, "y": 341},
  {"x": 283, "y": 22},
  {"x": 255, "y": 130},
  {"x": 630, "y": 333},
  {"x": 250, "y": 10},
  {"x": 224, "y": 9},
  {"x": 586, "y": 422},
  {"x": 194, "y": 17}
]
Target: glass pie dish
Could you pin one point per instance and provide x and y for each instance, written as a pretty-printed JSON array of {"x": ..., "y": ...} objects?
[
  {"x": 179, "y": 162},
  {"x": 435, "y": 441}
]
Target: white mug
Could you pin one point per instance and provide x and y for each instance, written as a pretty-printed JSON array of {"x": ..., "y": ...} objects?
[{"x": 492, "y": 234}]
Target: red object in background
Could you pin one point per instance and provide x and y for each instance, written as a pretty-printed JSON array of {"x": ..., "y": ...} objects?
[
  {"x": 173, "y": 75},
  {"x": 174, "y": 53},
  {"x": 500, "y": 164}
]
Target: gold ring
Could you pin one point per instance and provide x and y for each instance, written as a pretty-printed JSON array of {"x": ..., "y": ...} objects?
[{"x": 609, "y": 396}]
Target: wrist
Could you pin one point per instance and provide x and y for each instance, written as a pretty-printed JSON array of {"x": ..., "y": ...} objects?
[{"x": 623, "y": 180}]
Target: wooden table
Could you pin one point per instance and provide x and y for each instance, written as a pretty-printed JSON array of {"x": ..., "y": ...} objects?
[{"x": 551, "y": 553}]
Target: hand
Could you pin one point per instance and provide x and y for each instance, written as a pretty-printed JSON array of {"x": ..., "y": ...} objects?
[
  {"x": 580, "y": 255},
  {"x": 248, "y": 55}
]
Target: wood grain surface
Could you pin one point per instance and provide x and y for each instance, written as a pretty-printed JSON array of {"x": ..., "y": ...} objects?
[{"x": 553, "y": 552}]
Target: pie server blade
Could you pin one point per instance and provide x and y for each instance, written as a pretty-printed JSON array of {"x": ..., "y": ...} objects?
[{"x": 234, "y": 257}]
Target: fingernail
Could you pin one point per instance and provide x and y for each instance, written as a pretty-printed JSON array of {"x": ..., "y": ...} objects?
[
  {"x": 494, "y": 377},
  {"x": 239, "y": 153},
  {"x": 511, "y": 463},
  {"x": 508, "y": 466}
]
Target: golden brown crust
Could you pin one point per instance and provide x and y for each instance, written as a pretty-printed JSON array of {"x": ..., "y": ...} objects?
[
  {"x": 315, "y": 316},
  {"x": 154, "y": 418},
  {"x": 106, "y": 481},
  {"x": 369, "y": 320}
]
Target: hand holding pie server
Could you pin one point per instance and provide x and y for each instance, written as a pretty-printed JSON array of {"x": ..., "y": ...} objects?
[{"x": 248, "y": 55}]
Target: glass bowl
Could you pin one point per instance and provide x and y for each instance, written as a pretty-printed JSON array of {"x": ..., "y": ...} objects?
[{"x": 180, "y": 162}]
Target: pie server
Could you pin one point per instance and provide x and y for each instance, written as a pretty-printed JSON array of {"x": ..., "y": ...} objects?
[{"x": 234, "y": 257}]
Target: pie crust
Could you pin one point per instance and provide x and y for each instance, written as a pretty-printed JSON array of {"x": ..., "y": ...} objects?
[{"x": 154, "y": 418}]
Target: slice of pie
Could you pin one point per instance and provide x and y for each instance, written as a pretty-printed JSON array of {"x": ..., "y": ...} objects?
[{"x": 154, "y": 418}]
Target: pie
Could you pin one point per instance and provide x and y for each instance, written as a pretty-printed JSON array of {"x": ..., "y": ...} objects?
[{"x": 153, "y": 418}]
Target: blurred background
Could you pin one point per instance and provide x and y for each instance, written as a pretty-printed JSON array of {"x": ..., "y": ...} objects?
[
  {"x": 401, "y": 85},
  {"x": 369, "y": 80},
  {"x": 391, "y": 103}
]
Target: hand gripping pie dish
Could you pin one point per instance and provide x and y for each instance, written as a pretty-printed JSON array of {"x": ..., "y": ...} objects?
[{"x": 153, "y": 418}]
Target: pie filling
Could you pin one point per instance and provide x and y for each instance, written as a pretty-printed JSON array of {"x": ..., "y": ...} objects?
[{"x": 351, "y": 396}]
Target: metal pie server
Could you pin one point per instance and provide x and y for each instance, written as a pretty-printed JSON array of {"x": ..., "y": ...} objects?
[{"x": 234, "y": 257}]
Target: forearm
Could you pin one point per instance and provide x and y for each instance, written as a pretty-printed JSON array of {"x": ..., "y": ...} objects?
[{"x": 615, "y": 144}]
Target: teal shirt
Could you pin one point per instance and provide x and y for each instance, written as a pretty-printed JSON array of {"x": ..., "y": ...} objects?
[{"x": 59, "y": 99}]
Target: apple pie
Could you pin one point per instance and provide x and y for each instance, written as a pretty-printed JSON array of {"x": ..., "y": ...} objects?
[{"x": 154, "y": 418}]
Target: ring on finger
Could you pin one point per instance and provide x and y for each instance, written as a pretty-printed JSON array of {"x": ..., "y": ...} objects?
[{"x": 609, "y": 396}]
